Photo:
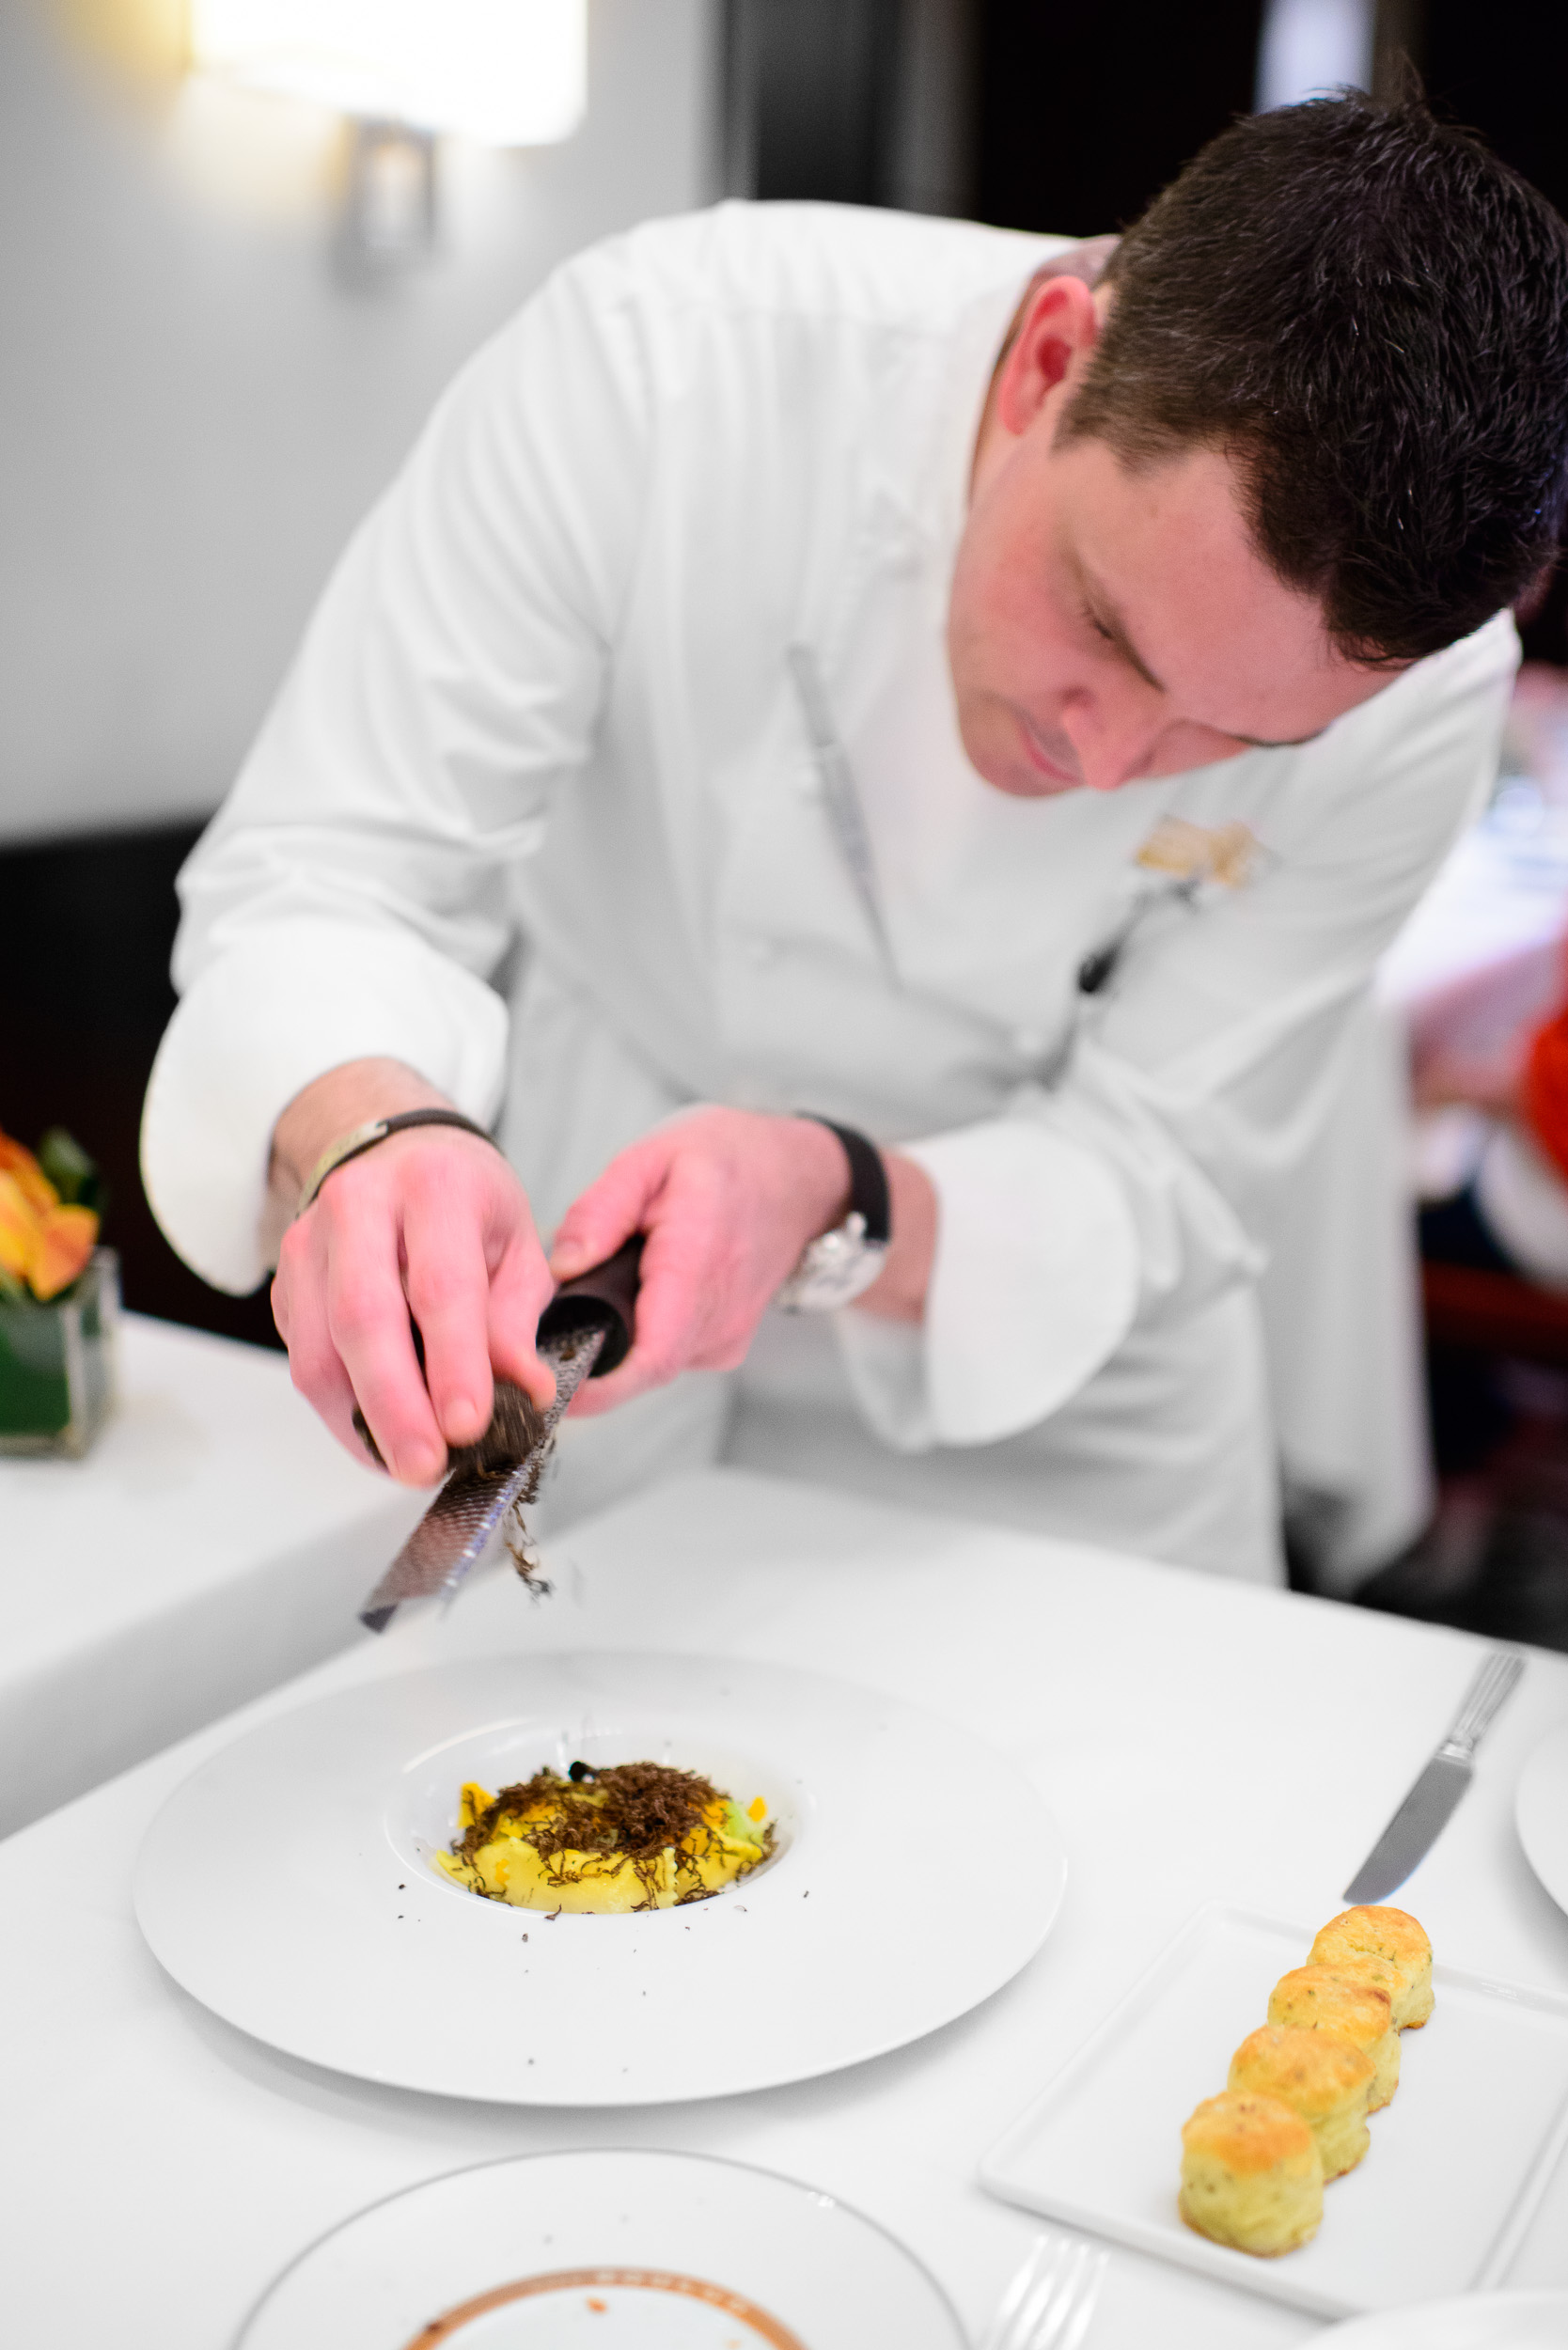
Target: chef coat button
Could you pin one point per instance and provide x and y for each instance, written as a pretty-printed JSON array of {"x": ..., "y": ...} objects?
[
  {"x": 1028, "y": 1044},
  {"x": 808, "y": 783},
  {"x": 763, "y": 951}
]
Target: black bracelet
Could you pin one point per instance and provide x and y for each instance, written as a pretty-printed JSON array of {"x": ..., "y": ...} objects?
[
  {"x": 868, "y": 1195},
  {"x": 362, "y": 1138}
]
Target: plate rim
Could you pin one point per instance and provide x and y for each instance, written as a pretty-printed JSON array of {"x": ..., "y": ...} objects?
[
  {"x": 576, "y": 2154},
  {"x": 1519, "y": 2296},
  {"x": 604, "y": 2098},
  {"x": 1190, "y": 2250},
  {"x": 1523, "y": 1795}
]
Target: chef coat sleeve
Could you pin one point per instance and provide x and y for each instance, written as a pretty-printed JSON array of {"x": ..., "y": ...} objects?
[
  {"x": 1140, "y": 1184},
  {"x": 349, "y": 900}
]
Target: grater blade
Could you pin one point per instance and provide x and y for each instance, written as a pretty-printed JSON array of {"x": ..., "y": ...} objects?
[{"x": 472, "y": 1503}]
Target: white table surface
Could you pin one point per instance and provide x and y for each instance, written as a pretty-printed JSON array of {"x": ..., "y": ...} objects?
[
  {"x": 216, "y": 1542},
  {"x": 1196, "y": 1738}
]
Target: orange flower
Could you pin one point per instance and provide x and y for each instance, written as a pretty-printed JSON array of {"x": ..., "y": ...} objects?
[
  {"x": 26, "y": 1174},
  {"x": 18, "y": 1229},
  {"x": 41, "y": 1241},
  {"x": 65, "y": 1239}
]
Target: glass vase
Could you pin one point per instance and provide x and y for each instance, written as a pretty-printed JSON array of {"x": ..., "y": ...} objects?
[{"x": 58, "y": 1363}]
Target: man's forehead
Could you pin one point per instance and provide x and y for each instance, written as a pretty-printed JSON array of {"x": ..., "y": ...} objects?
[{"x": 1164, "y": 557}]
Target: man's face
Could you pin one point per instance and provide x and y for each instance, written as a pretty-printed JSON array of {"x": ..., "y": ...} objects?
[{"x": 1107, "y": 623}]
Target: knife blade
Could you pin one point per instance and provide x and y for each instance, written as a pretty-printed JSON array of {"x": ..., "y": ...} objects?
[
  {"x": 583, "y": 1332},
  {"x": 1426, "y": 1811}
]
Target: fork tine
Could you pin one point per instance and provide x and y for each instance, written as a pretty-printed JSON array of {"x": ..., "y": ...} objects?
[
  {"x": 1035, "y": 2319},
  {"x": 1051, "y": 2300},
  {"x": 1075, "y": 2320},
  {"x": 1007, "y": 2329},
  {"x": 1054, "y": 2310}
]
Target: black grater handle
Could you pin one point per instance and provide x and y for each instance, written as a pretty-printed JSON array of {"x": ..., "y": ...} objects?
[{"x": 604, "y": 1298}]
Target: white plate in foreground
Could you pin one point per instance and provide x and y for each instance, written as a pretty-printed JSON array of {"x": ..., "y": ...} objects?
[
  {"x": 1479, "y": 2321},
  {"x": 1541, "y": 1812},
  {"x": 681, "y": 2252},
  {"x": 289, "y": 1884},
  {"x": 1457, "y": 2164}
]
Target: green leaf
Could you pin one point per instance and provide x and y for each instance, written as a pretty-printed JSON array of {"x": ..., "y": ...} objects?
[{"x": 75, "y": 1176}]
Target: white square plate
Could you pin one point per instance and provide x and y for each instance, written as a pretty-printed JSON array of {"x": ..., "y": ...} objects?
[{"x": 1457, "y": 2165}]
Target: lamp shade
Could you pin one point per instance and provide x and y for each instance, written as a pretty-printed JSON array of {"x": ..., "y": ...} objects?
[{"x": 508, "y": 73}]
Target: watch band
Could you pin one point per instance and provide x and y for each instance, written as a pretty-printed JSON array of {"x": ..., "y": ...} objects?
[
  {"x": 870, "y": 1198},
  {"x": 362, "y": 1138},
  {"x": 841, "y": 1265}
]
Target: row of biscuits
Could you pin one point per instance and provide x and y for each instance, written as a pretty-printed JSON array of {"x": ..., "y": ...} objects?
[{"x": 1254, "y": 2159}]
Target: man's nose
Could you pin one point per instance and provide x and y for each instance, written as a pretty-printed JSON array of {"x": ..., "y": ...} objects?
[{"x": 1114, "y": 740}]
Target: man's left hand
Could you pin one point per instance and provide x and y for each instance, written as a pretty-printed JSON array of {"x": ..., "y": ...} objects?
[{"x": 728, "y": 1198}]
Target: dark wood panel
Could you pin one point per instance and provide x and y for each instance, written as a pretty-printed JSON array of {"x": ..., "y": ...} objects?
[
  {"x": 1085, "y": 112},
  {"x": 1506, "y": 75},
  {"x": 87, "y": 929}
]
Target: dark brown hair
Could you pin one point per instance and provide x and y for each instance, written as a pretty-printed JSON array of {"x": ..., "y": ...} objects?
[{"x": 1370, "y": 313}]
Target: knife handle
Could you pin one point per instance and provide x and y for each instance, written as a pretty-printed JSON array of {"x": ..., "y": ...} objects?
[
  {"x": 604, "y": 1298},
  {"x": 1483, "y": 1699}
]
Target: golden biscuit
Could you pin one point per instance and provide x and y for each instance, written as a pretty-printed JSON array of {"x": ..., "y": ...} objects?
[
  {"x": 1376, "y": 1971},
  {"x": 1351, "y": 1942},
  {"x": 1315, "y": 1999},
  {"x": 1322, "y": 2077},
  {"x": 1252, "y": 2174}
]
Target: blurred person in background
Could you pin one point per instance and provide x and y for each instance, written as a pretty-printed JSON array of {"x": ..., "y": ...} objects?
[
  {"x": 1484, "y": 1044},
  {"x": 905, "y": 673},
  {"x": 1489, "y": 1054}
]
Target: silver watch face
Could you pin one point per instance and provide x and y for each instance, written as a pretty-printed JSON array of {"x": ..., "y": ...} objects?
[{"x": 834, "y": 1269}]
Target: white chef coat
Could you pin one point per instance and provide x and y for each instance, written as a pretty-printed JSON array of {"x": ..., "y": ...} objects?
[{"x": 549, "y": 690}]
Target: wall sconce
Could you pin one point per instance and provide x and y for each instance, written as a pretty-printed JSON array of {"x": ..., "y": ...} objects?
[
  {"x": 504, "y": 72},
  {"x": 1307, "y": 48}
]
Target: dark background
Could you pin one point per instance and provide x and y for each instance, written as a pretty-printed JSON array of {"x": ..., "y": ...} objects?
[
  {"x": 1071, "y": 119},
  {"x": 86, "y": 930},
  {"x": 1085, "y": 114}
]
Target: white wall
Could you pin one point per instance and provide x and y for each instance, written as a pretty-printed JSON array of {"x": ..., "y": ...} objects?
[{"x": 194, "y": 411}]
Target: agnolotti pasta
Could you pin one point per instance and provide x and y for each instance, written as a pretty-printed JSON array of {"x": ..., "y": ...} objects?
[{"x": 634, "y": 1836}]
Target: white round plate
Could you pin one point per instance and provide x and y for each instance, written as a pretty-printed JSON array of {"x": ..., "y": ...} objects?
[
  {"x": 536, "y": 2254},
  {"x": 289, "y": 1884},
  {"x": 1541, "y": 1812},
  {"x": 1478, "y": 2321}
]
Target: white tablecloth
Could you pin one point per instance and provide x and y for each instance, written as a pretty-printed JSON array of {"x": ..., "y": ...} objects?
[
  {"x": 1196, "y": 1738},
  {"x": 214, "y": 1542}
]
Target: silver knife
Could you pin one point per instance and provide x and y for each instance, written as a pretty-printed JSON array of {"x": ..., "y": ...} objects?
[
  {"x": 1428, "y": 1807},
  {"x": 584, "y": 1331}
]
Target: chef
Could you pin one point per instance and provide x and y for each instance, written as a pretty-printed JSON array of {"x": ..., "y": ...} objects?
[{"x": 883, "y": 759}]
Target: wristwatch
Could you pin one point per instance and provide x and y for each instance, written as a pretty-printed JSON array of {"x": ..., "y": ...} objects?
[{"x": 836, "y": 1266}]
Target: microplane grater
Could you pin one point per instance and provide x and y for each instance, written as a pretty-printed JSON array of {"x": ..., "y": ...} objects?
[
  {"x": 584, "y": 1331},
  {"x": 472, "y": 1503}
]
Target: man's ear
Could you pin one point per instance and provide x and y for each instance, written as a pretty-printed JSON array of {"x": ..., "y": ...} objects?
[{"x": 1060, "y": 325}]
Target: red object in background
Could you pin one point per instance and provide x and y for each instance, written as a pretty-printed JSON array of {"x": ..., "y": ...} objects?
[
  {"x": 1545, "y": 1089},
  {"x": 1493, "y": 1313}
]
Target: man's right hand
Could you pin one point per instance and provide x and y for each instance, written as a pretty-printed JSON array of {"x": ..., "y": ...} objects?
[{"x": 432, "y": 1223}]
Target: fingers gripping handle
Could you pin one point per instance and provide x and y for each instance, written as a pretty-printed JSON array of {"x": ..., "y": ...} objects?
[{"x": 604, "y": 1298}]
